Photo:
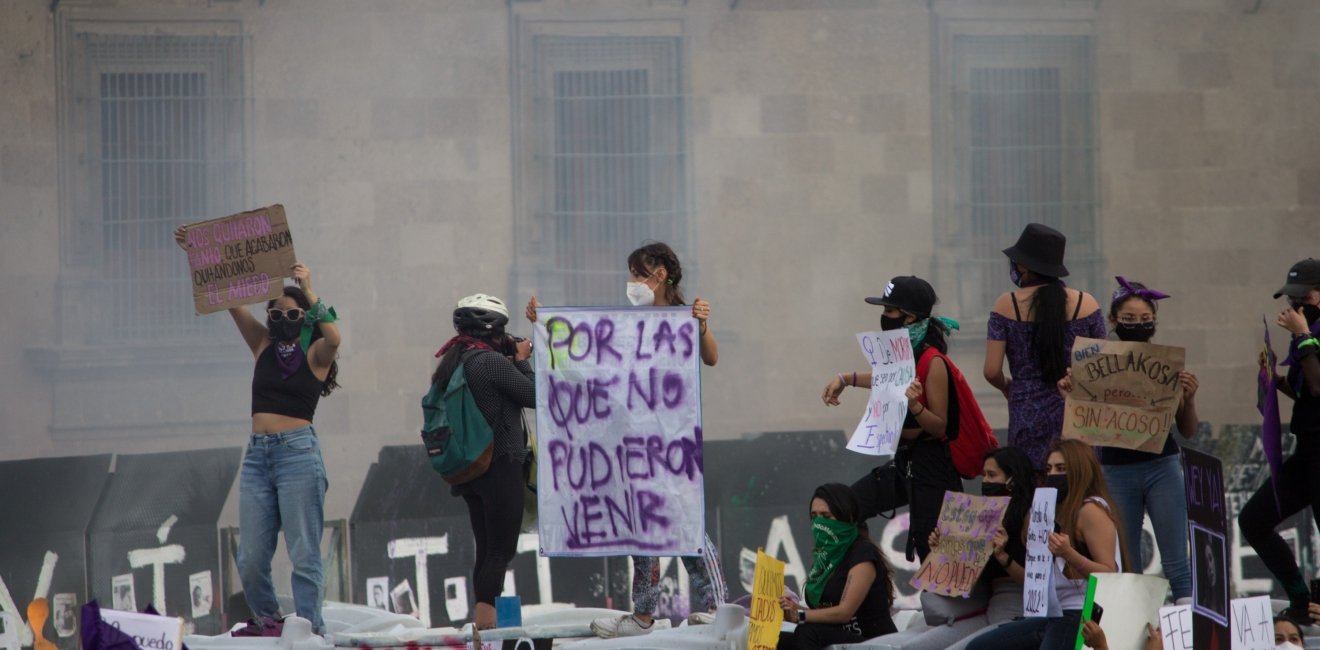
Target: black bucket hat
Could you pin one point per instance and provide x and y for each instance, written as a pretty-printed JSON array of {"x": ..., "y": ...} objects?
[
  {"x": 908, "y": 293},
  {"x": 1040, "y": 249},
  {"x": 1302, "y": 278}
]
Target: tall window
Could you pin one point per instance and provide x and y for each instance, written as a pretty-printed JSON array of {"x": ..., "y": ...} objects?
[
  {"x": 603, "y": 122},
  {"x": 1019, "y": 146},
  {"x": 154, "y": 140}
]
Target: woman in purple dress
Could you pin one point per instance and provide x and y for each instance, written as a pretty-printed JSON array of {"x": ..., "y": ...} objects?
[{"x": 1034, "y": 327}]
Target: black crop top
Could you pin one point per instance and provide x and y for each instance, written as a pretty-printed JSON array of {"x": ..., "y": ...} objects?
[{"x": 295, "y": 397}]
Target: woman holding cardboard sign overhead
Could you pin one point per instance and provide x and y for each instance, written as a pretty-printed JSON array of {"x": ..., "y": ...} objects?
[
  {"x": 1034, "y": 327},
  {"x": 282, "y": 482},
  {"x": 1140, "y": 481},
  {"x": 655, "y": 274}
]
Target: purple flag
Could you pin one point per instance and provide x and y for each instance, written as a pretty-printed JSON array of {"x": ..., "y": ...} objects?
[{"x": 1271, "y": 432}]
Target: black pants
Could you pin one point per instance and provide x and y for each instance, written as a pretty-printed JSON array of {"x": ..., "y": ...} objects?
[
  {"x": 1299, "y": 487},
  {"x": 815, "y": 636},
  {"x": 495, "y": 506},
  {"x": 932, "y": 474}
]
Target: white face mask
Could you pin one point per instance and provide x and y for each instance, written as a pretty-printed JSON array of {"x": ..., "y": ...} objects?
[
  {"x": 640, "y": 295},
  {"x": 1288, "y": 646}
]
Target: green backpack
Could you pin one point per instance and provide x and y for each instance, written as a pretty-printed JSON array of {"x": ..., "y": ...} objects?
[{"x": 459, "y": 441}]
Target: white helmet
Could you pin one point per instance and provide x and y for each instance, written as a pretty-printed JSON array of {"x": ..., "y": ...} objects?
[{"x": 480, "y": 312}]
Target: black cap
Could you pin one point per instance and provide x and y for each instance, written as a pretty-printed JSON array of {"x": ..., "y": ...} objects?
[
  {"x": 908, "y": 293},
  {"x": 1040, "y": 249},
  {"x": 1302, "y": 278}
]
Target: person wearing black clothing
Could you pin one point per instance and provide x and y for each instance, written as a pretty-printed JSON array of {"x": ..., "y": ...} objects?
[
  {"x": 1299, "y": 482},
  {"x": 850, "y": 587},
  {"x": 503, "y": 384},
  {"x": 923, "y": 456}
]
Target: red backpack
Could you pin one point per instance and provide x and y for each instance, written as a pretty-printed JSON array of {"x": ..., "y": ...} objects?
[{"x": 969, "y": 435}]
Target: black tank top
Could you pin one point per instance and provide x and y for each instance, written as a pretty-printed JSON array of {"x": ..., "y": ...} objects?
[{"x": 295, "y": 397}]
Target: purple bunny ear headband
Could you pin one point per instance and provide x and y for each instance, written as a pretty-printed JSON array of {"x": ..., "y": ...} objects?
[{"x": 1126, "y": 290}]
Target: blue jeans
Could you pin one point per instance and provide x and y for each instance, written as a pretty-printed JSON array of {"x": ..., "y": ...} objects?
[
  {"x": 1155, "y": 486},
  {"x": 1031, "y": 633},
  {"x": 282, "y": 486}
]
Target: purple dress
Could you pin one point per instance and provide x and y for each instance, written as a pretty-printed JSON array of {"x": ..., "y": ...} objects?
[{"x": 1035, "y": 408}]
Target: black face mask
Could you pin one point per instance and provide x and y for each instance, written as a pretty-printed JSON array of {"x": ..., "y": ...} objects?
[
  {"x": 285, "y": 330},
  {"x": 1138, "y": 332},
  {"x": 888, "y": 324},
  {"x": 994, "y": 489},
  {"x": 1058, "y": 482},
  {"x": 1311, "y": 312}
]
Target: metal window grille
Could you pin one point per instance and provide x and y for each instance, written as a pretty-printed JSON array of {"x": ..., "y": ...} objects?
[
  {"x": 162, "y": 118},
  {"x": 609, "y": 158},
  {"x": 1024, "y": 150}
]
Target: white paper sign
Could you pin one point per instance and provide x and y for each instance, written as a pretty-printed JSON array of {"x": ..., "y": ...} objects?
[
  {"x": 149, "y": 632},
  {"x": 618, "y": 421},
  {"x": 1176, "y": 627},
  {"x": 1252, "y": 625},
  {"x": 893, "y": 368},
  {"x": 1038, "y": 584},
  {"x": 1130, "y": 602}
]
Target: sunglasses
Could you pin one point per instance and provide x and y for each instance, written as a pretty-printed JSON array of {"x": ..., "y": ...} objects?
[{"x": 277, "y": 315}]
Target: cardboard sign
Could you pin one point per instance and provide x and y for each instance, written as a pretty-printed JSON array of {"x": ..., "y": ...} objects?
[
  {"x": 239, "y": 259},
  {"x": 149, "y": 632},
  {"x": 1124, "y": 394},
  {"x": 1130, "y": 601},
  {"x": 1207, "y": 526},
  {"x": 1252, "y": 623},
  {"x": 765, "y": 616},
  {"x": 618, "y": 420},
  {"x": 1038, "y": 585},
  {"x": 1271, "y": 430},
  {"x": 892, "y": 370},
  {"x": 967, "y": 528},
  {"x": 1176, "y": 627}
]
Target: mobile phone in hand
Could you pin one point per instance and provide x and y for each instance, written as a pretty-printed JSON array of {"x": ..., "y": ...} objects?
[
  {"x": 1315, "y": 590},
  {"x": 1096, "y": 612}
]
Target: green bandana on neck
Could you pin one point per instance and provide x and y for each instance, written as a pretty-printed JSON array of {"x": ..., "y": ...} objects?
[
  {"x": 917, "y": 331},
  {"x": 832, "y": 539}
]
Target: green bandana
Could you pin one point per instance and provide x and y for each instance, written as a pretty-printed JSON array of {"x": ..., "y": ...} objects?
[
  {"x": 319, "y": 313},
  {"x": 832, "y": 539},
  {"x": 917, "y": 331}
]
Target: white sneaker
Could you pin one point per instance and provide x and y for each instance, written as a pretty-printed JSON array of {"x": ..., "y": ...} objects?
[
  {"x": 626, "y": 625},
  {"x": 701, "y": 618}
]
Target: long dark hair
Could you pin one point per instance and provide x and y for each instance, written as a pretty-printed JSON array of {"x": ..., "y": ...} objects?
[
  {"x": 845, "y": 507},
  {"x": 656, "y": 254},
  {"x": 299, "y": 296},
  {"x": 1049, "y": 310},
  {"x": 937, "y": 335},
  {"x": 1016, "y": 465}
]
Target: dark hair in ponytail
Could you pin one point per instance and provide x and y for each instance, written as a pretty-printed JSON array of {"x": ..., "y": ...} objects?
[
  {"x": 646, "y": 259},
  {"x": 1049, "y": 310}
]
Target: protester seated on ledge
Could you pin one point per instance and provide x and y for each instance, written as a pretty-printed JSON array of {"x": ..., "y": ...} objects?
[
  {"x": 1090, "y": 541},
  {"x": 850, "y": 587},
  {"x": 952, "y": 622}
]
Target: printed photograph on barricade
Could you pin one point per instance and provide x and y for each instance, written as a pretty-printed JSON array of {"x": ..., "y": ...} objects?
[
  {"x": 240, "y": 259},
  {"x": 889, "y": 355},
  {"x": 967, "y": 528},
  {"x": 619, "y": 443},
  {"x": 1124, "y": 394}
]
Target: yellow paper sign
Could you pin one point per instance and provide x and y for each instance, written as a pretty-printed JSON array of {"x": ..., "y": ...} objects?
[{"x": 766, "y": 615}]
